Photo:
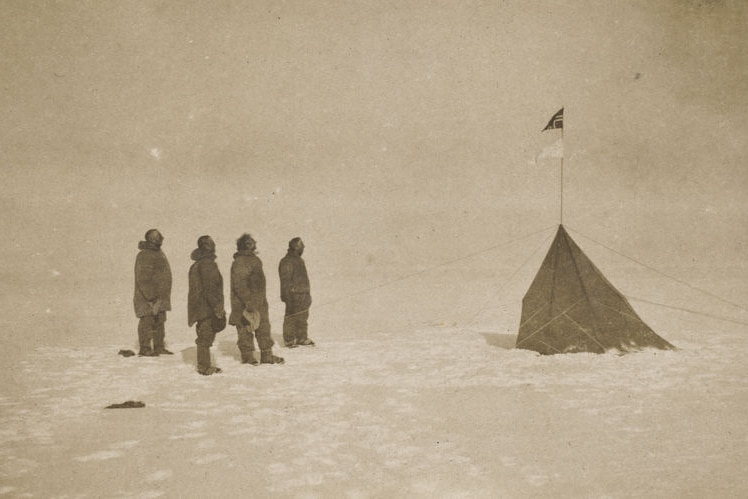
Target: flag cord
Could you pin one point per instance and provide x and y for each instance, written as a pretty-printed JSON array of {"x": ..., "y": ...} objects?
[
  {"x": 474, "y": 321},
  {"x": 662, "y": 273},
  {"x": 429, "y": 269},
  {"x": 688, "y": 310}
]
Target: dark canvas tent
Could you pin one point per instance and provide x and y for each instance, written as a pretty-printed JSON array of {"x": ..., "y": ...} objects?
[{"x": 571, "y": 307}]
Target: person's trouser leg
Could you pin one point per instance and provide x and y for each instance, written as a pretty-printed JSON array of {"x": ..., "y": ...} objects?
[
  {"x": 204, "y": 341},
  {"x": 295, "y": 324},
  {"x": 159, "y": 331},
  {"x": 289, "y": 332},
  {"x": 264, "y": 340},
  {"x": 146, "y": 325},
  {"x": 246, "y": 343},
  {"x": 301, "y": 325}
]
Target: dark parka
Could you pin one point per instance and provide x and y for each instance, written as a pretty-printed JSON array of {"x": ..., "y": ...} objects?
[
  {"x": 152, "y": 280},
  {"x": 294, "y": 281},
  {"x": 205, "y": 296},
  {"x": 247, "y": 286}
]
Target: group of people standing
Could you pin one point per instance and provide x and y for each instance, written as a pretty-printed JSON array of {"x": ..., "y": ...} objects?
[{"x": 205, "y": 301}]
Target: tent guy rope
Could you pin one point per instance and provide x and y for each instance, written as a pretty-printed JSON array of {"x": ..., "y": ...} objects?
[{"x": 649, "y": 267}]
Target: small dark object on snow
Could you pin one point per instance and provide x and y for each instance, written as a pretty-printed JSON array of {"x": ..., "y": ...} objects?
[
  {"x": 130, "y": 404},
  {"x": 126, "y": 353}
]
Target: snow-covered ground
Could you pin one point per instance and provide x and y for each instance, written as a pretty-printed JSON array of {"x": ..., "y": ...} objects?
[
  {"x": 419, "y": 410},
  {"x": 402, "y": 141}
]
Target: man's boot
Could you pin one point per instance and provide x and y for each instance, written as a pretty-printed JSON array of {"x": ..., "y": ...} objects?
[
  {"x": 203, "y": 360},
  {"x": 248, "y": 357},
  {"x": 147, "y": 352},
  {"x": 267, "y": 357},
  {"x": 161, "y": 350}
]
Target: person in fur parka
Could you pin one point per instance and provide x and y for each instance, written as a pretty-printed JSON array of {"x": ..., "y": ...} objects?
[
  {"x": 152, "y": 297},
  {"x": 249, "y": 304},
  {"x": 205, "y": 301},
  {"x": 295, "y": 293}
]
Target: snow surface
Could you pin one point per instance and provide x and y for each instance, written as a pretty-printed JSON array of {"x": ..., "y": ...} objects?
[
  {"x": 399, "y": 143},
  {"x": 415, "y": 411}
]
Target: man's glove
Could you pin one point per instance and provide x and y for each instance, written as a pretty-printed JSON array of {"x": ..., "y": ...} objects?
[
  {"x": 251, "y": 319},
  {"x": 156, "y": 306}
]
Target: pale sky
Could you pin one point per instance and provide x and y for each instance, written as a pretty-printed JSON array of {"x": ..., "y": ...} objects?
[{"x": 391, "y": 136}]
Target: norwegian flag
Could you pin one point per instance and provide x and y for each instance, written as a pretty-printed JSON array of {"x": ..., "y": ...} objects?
[{"x": 556, "y": 122}]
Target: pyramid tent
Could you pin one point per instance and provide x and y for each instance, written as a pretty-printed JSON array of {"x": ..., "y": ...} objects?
[{"x": 571, "y": 307}]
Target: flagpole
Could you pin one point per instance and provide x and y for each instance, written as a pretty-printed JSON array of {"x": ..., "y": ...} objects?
[
  {"x": 561, "y": 214},
  {"x": 557, "y": 121}
]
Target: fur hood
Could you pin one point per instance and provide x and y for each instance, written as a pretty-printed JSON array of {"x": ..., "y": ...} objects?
[
  {"x": 147, "y": 245},
  {"x": 199, "y": 254}
]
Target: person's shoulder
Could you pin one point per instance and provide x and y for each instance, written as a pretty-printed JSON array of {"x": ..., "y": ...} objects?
[
  {"x": 248, "y": 258},
  {"x": 146, "y": 255}
]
